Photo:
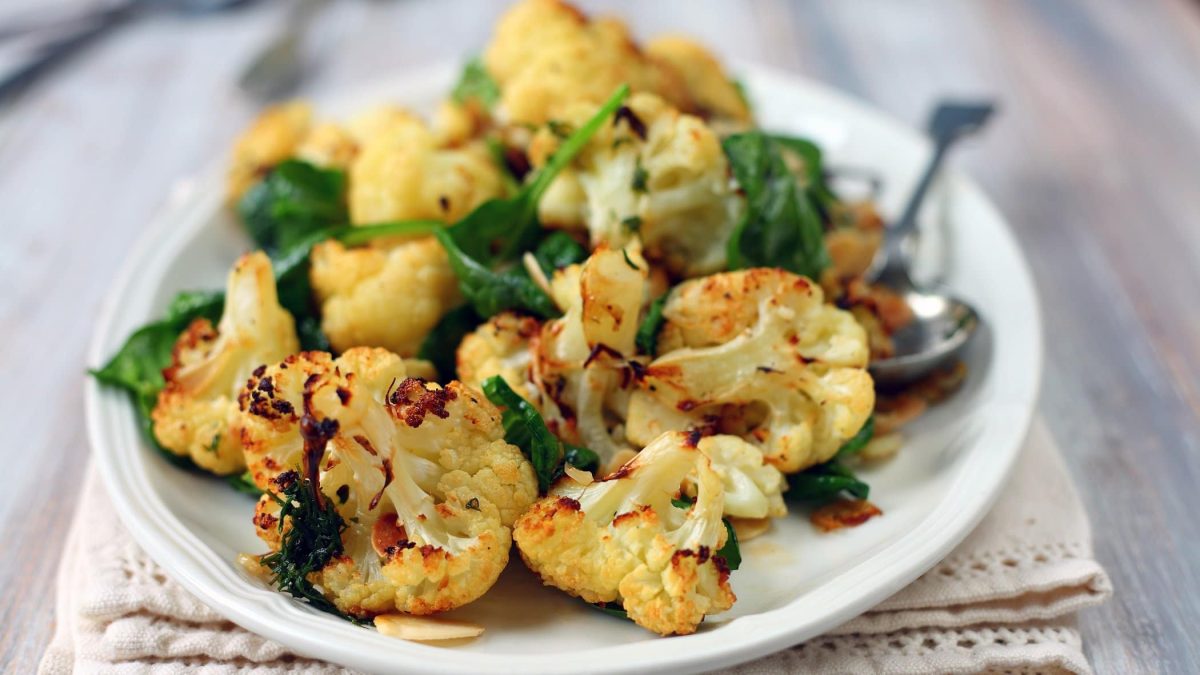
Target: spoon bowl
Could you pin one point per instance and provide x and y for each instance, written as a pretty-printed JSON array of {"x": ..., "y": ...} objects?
[{"x": 941, "y": 328}]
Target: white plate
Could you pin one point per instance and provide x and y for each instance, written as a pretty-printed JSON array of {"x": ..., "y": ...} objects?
[{"x": 794, "y": 583}]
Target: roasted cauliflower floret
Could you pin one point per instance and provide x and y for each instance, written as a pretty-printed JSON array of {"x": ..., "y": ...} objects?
[
  {"x": 382, "y": 297},
  {"x": 196, "y": 413},
  {"x": 757, "y": 353},
  {"x": 546, "y": 55},
  {"x": 403, "y": 171},
  {"x": 580, "y": 360},
  {"x": 753, "y": 488},
  {"x": 272, "y": 138},
  {"x": 622, "y": 540},
  {"x": 421, "y": 475},
  {"x": 709, "y": 87},
  {"x": 329, "y": 146},
  {"x": 500, "y": 346},
  {"x": 653, "y": 173}
]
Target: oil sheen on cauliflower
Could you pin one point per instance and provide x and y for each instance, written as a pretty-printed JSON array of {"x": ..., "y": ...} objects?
[
  {"x": 196, "y": 412},
  {"x": 653, "y": 173},
  {"x": 547, "y": 55},
  {"x": 420, "y": 473},
  {"x": 757, "y": 354},
  {"x": 387, "y": 297},
  {"x": 622, "y": 540}
]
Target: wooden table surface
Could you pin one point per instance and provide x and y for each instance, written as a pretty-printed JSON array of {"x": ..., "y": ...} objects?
[{"x": 1095, "y": 161}]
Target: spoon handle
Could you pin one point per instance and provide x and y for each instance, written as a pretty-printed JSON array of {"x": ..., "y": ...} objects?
[{"x": 950, "y": 122}]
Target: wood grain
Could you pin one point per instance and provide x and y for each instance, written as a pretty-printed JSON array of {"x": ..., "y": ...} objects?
[{"x": 1094, "y": 161}]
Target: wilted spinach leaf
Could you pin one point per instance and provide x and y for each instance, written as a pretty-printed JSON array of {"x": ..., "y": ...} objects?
[
  {"x": 525, "y": 428},
  {"x": 825, "y": 482},
  {"x": 781, "y": 226},
  {"x": 293, "y": 201}
]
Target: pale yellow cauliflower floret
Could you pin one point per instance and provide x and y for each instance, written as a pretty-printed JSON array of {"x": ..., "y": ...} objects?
[
  {"x": 622, "y": 540},
  {"x": 329, "y": 146},
  {"x": 196, "y": 414},
  {"x": 404, "y": 171},
  {"x": 709, "y": 87},
  {"x": 546, "y": 55},
  {"x": 382, "y": 297},
  {"x": 758, "y": 354},
  {"x": 420, "y": 473},
  {"x": 271, "y": 139},
  {"x": 500, "y": 346},
  {"x": 653, "y": 173}
]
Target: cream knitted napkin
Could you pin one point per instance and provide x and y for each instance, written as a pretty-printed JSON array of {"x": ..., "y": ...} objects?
[{"x": 1002, "y": 601}]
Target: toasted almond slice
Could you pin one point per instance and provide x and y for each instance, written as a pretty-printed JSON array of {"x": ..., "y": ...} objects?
[
  {"x": 578, "y": 475},
  {"x": 881, "y": 447},
  {"x": 425, "y": 628},
  {"x": 749, "y": 528},
  {"x": 253, "y": 566}
]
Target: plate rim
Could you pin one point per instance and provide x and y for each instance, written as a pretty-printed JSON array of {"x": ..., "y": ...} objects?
[{"x": 159, "y": 532}]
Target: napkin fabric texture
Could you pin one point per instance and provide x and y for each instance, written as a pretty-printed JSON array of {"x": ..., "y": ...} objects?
[{"x": 1003, "y": 601}]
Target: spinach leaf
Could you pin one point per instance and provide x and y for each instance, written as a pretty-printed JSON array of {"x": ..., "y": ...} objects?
[
  {"x": 612, "y": 609},
  {"x": 476, "y": 83},
  {"x": 731, "y": 552},
  {"x": 814, "y": 169},
  {"x": 858, "y": 441},
  {"x": 647, "y": 333},
  {"x": 244, "y": 483},
  {"x": 557, "y": 250},
  {"x": 294, "y": 200},
  {"x": 781, "y": 226},
  {"x": 525, "y": 428},
  {"x": 825, "y": 482},
  {"x": 502, "y": 230},
  {"x": 440, "y": 346},
  {"x": 581, "y": 458},
  {"x": 493, "y": 292}
]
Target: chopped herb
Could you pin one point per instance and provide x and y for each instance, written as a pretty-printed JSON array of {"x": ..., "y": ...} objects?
[
  {"x": 473, "y": 503},
  {"x": 214, "y": 443},
  {"x": 640, "y": 177},
  {"x": 628, "y": 261},
  {"x": 632, "y": 223},
  {"x": 310, "y": 536},
  {"x": 647, "y": 332},
  {"x": 476, "y": 84},
  {"x": 560, "y": 129}
]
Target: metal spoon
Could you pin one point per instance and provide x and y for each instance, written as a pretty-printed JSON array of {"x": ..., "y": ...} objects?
[
  {"x": 942, "y": 325},
  {"x": 278, "y": 69}
]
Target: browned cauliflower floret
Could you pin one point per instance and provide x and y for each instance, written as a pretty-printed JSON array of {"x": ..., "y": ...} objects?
[
  {"x": 622, "y": 540},
  {"x": 709, "y": 87},
  {"x": 404, "y": 171},
  {"x": 653, "y": 173},
  {"x": 382, "y": 297},
  {"x": 272, "y": 138},
  {"x": 196, "y": 412},
  {"x": 420, "y": 474},
  {"x": 546, "y": 55},
  {"x": 756, "y": 353},
  {"x": 500, "y": 346}
]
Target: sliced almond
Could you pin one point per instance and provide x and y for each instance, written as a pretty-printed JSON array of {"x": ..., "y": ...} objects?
[
  {"x": 424, "y": 628},
  {"x": 881, "y": 447},
  {"x": 578, "y": 475},
  {"x": 253, "y": 566},
  {"x": 749, "y": 528}
]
